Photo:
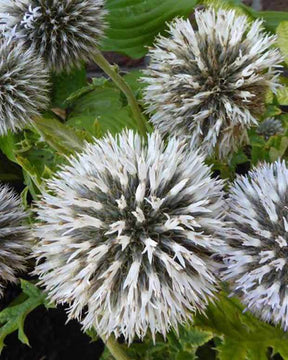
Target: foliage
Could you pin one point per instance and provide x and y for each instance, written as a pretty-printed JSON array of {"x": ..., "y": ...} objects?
[
  {"x": 243, "y": 336},
  {"x": 12, "y": 318},
  {"x": 82, "y": 109},
  {"x": 282, "y": 32},
  {"x": 179, "y": 346},
  {"x": 133, "y": 24}
]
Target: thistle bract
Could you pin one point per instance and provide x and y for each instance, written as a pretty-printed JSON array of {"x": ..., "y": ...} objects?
[
  {"x": 257, "y": 264},
  {"x": 24, "y": 86},
  {"x": 210, "y": 83},
  {"x": 65, "y": 33},
  {"x": 127, "y": 231}
]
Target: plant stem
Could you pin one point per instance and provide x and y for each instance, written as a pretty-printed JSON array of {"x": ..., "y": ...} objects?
[
  {"x": 125, "y": 88},
  {"x": 115, "y": 349}
]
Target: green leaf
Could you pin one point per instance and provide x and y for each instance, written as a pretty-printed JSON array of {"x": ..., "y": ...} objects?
[
  {"x": 133, "y": 24},
  {"x": 93, "y": 334},
  {"x": 13, "y": 317},
  {"x": 271, "y": 18},
  {"x": 185, "y": 355},
  {"x": 37, "y": 159},
  {"x": 282, "y": 32},
  {"x": 58, "y": 135},
  {"x": 192, "y": 337},
  {"x": 243, "y": 333},
  {"x": 231, "y": 350},
  {"x": 282, "y": 95},
  {"x": 98, "y": 109},
  {"x": 65, "y": 84},
  {"x": 279, "y": 146},
  {"x": 8, "y": 145}
]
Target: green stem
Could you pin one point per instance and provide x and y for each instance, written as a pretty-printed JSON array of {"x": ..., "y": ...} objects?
[
  {"x": 115, "y": 349},
  {"x": 125, "y": 88}
]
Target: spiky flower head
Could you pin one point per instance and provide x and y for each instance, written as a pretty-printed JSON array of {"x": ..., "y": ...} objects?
[
  {"x": 15, "y": 237},
  {"x": 23, "y": 86},
  {"x": 210, "y": 83},
  {"x": 270, "y": 127},
  {"x": 65, "y": 33},
  {"x": 127, "y": 231},
  {"x": 257, "y": 262}
]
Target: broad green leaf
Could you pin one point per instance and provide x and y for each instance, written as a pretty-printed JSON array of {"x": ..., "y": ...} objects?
[
  {"x": 177, "y": 347},
  {"x": 98, "y": 109},
  {"x": 192, "y": 337},
  {"x": 185, "y": 355},
  {"x": 271, "y": 110},
  {"x": 236, "y": 5},
  {"x": 58, "y": 135},
  {"x": 282, "y": 32},
  {"x": 8, "y": 145},
  {"x": 279, "y": 146},
  {"x": 282, "y": 96},
  {"x": 37, "y": 160},
  {"x": 65, "y": 84},
  {"x": 231, "y": 350},
  {"x": 257, "y": 352},
  {"x": 133, "y": 78},
  {"x": 133, "y": 24},
  {"x": 271, "y": 18},
  {"x": 12, "y": 318},
  {"x": 241, "y": 331}
]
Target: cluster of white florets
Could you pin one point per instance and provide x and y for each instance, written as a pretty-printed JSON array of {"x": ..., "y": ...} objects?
[
  {"x": 127, "y": 233},
  {"x": 128, "y": 230},
  {"x": 15, "y": 237},
  {"x": 23, "y": 86},
  {"x": 257, "y": 265},
  {"x": 209, "y": 84},
  {"x": 37, "y": 36},
  {"x": 64, "y": 33}
]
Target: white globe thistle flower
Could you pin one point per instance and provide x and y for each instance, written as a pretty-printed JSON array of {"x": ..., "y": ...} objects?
[
  {"x": 15, "y": 237},
  {"x": 65, "y": 33},
  {"x": 210, "y": 83},
  {"x": 270, "y": 127},
  {"x": 126, "y": 233},
  {"x": 257, "y": 260},
  {"x": 24, "y": 86}
]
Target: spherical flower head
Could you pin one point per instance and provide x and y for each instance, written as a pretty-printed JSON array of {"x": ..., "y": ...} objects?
[
  {"x": 127, "y": 231},
  {"x": 65, "y": 33},
  {"x": 210, "y": 83},
  {"x": 24, "y": 86},
  {"x": 270, "y": 127},
  {"x": 15, "y": 237},
  {"x": 257, "y": 262}
]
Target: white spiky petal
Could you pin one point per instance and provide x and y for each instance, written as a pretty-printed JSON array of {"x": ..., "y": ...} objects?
[
  {"x": 210, "y": 83},
  {"x": 15, "y": 237},
  {"x": 23, "y": 86},
  {"x": 257, "y": 262},
  {"x": 127, "y": 231},
  {"x": 65, "y": 33}
]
